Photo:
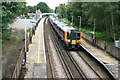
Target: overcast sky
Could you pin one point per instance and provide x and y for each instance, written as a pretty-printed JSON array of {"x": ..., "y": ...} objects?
[{"x": 51, "y": 3}]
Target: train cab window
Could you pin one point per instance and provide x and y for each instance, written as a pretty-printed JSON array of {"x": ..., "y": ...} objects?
[{"x": 73, "y": 34}]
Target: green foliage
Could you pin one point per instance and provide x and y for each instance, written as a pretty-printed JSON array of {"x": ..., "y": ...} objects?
[
  {"x": 65, "y": 20},
  {"x": 42, "y": 6},
  {"x": 106, "y": 15},
  {"x": 10, "y": 10},
  {"x": 61, "y": 10},
  {"x": 100, "y": 35},
  {"x": 22, "y": 38},
  {"x": 87, "y": 30},
  {"x": 29, "y": 30},
  {"x": 32, "y": 9}
]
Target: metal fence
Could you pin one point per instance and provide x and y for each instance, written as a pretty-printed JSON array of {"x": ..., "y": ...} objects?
[
  {"x": 18, "y": 66},
  {"x": 108, "y": 47}
]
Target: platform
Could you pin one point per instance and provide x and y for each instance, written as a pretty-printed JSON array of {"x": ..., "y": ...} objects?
[
  {"x": 104, "y": 58},
  {"x": 36, "y": 58}
]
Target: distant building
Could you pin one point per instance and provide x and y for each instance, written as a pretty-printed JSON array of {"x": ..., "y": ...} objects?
[{"x": 39, "y": 13}]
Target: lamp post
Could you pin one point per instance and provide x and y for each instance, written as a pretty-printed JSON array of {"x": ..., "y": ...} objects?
[
  {"x": 25, "y": 44},
  {"x": 32, "y": 29},
  {"x": 72, "y": 21},
  {"x": 94, "y": 33},
  {"x": 79, "y": 28},
  {"x": 31, "y": 32}
]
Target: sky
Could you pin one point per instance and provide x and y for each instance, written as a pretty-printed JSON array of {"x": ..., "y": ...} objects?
[{"x": 51, "y": 3}]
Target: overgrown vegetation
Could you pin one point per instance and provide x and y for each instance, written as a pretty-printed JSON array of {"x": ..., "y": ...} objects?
[
  {"x": 106, "y": 15},
  {"x": 10, "y": 10}
]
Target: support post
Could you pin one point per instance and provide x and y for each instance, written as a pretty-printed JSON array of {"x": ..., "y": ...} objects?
[
  {"x": 25, "y": 44},
  {"x": 94, "y": 33},
  {"x": 79, "y": 28},
  {"x": 72, "y": 20}
]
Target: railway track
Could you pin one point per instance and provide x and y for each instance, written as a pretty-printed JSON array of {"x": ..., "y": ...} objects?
[
  {"x": 47, "y": 51},
  {"x": 96, "y": 74},
  {"x": 69, "y": 67},
  {"x": 88, "y": 67},
  {"x": 70, "y": 63}
]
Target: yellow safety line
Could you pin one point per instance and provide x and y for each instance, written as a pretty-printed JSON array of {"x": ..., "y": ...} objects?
[
  {"x": 104, "y": 57},
  {"x": 38, "y": 50},
  {"x": 100, "y": 54},
  {"x": 31, "y": 62}
]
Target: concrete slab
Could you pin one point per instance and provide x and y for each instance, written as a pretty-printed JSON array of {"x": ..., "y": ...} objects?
[
  {"x": 104, "y": 58},
  {"x": 39, "y": 70},
  {"x": 36, "y": 58}
]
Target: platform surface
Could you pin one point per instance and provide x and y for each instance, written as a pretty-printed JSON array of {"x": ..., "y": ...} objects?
[
  {"x": 36, "y": 58},
  {"x": 104, "y": 58}
]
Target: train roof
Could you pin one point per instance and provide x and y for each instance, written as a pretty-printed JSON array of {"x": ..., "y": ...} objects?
[
  {"x": 65, "y": 26},
  {"x": 62, "y": 25},
  {"x": 69, "y": 28}
]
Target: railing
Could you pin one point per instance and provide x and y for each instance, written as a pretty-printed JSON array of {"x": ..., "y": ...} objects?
[
  {"x": 109, "y": 48},
  {"x": 18, "y": 66}
]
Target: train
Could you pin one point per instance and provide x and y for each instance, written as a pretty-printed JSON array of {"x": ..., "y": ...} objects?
[{"x": 70, "y": 36}]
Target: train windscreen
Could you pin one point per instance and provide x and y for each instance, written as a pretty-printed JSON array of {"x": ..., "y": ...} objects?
[{"x": 73, "y": 34}]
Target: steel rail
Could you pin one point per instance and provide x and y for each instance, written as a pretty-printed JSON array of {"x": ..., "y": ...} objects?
[
  {"x": 62, "y": 51},
  {"x": 90, "y": 66}
]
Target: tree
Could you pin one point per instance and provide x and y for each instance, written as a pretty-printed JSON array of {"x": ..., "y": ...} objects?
[
  {"x": 10, "y": 10},
  {"x": 106, "y": 15},
  {"x": 43, "y": 7},
  {"x": 61, "y": 10},
  {"x": 32, "y": 9}
]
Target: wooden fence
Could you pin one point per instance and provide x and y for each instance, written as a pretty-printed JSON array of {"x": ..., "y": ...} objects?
[{"x": 108, "y": 47}]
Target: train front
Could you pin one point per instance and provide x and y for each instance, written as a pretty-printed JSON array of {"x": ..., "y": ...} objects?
[{"x": 73, "y": 39}]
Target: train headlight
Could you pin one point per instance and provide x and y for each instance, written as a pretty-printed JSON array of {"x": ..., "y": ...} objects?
[{"x": 68, "y": 40}]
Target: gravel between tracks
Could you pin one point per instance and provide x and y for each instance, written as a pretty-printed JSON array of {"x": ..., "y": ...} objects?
[
  {"x": 89, "y": 73},
  {"x": 57, "y": 68}
]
